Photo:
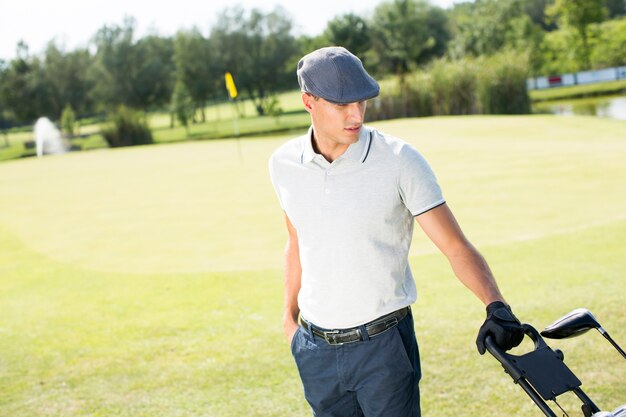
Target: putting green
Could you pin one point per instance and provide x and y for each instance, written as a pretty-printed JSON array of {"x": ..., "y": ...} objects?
[
  {"x": 209, "y": 206},
  {"x": 146, "y": 282}
]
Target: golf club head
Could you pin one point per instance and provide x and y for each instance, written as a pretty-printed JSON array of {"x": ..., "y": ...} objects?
[
  {"x": 620, "y": 411},
  {"x": 574, "y": 323}
]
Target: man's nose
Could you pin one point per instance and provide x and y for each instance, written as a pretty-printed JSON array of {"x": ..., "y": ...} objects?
[{"x": 355, "y": 112}]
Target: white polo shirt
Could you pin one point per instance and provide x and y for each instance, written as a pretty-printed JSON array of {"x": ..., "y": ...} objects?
[{"x": 354, "y": 218}]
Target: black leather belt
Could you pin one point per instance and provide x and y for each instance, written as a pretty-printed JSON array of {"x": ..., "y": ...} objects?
[{"x": 373, "y": 328}]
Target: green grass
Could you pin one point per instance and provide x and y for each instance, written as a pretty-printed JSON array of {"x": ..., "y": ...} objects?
[
  {"x": 228, "y": 127},
  {"x": 578, "y": 91},
  {"x": 147, "y": 281}
]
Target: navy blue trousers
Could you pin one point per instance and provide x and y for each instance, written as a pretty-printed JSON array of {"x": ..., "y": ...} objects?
[{"x": 377, "y": 377}]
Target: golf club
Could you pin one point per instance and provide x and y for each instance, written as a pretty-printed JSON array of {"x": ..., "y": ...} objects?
[{"x": 575, "y": 323}]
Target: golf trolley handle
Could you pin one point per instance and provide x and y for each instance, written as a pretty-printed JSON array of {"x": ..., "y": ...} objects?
[
  {"x": 510, "y": 368},
  {"x": 541, "y": 373}
]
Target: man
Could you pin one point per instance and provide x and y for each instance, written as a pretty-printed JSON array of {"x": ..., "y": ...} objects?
[{"x": 350, "y": 194}]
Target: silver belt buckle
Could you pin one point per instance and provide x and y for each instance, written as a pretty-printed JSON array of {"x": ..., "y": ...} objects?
[{"x": 331, "y": 341}]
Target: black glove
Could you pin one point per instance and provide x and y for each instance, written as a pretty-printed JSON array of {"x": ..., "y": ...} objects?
[{"x": 505, "y": 329}]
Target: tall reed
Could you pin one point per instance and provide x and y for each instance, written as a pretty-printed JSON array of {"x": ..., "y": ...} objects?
[{"x": 491, "y": 85}]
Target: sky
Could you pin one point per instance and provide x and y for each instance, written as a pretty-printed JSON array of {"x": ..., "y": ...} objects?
[{"x": 72, "y": 23}]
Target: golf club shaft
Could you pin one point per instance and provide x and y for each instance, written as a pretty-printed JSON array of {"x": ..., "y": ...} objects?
[{"x": 610, "y": 339}]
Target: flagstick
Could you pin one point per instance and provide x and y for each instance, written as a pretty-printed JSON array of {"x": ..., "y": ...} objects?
[
  {"x": 232, "y": 93},
  {"x": 236, "y": 130}
]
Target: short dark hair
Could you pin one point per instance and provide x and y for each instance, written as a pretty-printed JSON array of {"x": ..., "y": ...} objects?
[{"x": 316, "y": 98}]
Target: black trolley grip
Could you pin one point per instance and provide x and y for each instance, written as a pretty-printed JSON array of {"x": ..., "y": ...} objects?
[{"x": 541, "y": 373}]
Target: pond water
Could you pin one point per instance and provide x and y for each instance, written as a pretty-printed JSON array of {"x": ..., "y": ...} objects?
[{"x": 612, "y": 107}]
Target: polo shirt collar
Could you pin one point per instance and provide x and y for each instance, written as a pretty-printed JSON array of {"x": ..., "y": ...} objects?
[
  {"x": 356, "y": 152},
  {"x": 307, "y": 152}
]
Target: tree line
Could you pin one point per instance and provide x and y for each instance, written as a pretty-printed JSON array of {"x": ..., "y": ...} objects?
[{"x": 260, "y": 49}]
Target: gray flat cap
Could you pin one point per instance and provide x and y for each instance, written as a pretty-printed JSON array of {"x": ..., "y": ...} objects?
[{"x": 336, "y": 75}]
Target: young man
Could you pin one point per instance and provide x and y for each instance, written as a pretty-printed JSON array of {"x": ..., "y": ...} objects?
[{"x": 350, "y": 194}]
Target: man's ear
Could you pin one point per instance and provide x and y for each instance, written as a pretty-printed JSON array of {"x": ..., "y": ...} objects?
[{"x": 307, "y": 101}]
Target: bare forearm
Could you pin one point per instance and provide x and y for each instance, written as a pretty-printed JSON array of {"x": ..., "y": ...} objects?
[
  {"x": 468, "y": 264},
  {"x": 292, "y": 287},
  {"x": 293, "y": 272},
  {"x": 473, "y": 271}
]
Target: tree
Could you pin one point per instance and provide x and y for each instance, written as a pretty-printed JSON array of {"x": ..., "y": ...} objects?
[
  {"x": 557, "y": 56},
  {"x": 4, "y": 117},
  {"x": 308, "y": 44},
  {"x": 4, "y": 120},
  {"x": 138, "y": 74},
  {"x": 536, "y": 10},
  {"x": 406, "y": 33},
  {"x": 66, "y": 75},
  {"x": 616, "y": 8},
  {"x": 607, "y": 42},
  {"x": 197, "y": 67},
  {"x": 155, "y": 73},
  {"x": 609, "y": 47},
  {"x": 258, "y": 49},
  {"x": 350, "y": 31},
  {"x": 486, "y": 27},
  {"x": 113, "y": 69},
  {"x": 578, "y": 15},
  {"x": 182, "y": 105},
  {"x": 24, "y": 90}
]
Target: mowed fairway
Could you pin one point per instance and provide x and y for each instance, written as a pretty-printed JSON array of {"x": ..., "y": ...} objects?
[{"x": 147, "y": 281}]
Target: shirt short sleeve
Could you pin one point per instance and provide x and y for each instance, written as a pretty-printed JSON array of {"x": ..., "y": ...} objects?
[{"x": 418, "y": 185}]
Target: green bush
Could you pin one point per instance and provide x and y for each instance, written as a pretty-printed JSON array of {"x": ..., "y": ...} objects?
[
  {"x": 68, "y": 121},
  {"x": 127, "y": 128}
]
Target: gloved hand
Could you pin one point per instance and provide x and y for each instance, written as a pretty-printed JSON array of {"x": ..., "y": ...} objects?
[{"x": 505, "y": 329}]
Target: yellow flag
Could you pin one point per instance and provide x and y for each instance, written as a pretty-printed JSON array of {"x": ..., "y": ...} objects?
[{"x": 230, "y": 85}]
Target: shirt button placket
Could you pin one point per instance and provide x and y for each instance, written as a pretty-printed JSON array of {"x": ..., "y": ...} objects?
[{"x": 327, "y": 182}]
